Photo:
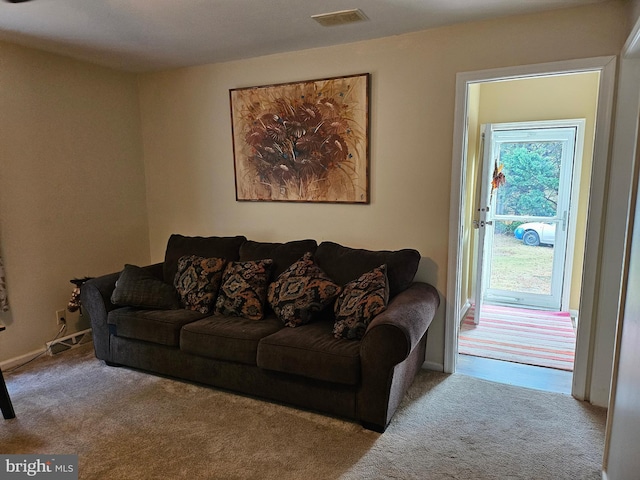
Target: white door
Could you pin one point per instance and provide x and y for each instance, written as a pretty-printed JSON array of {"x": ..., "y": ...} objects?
[
  {"x": 483, "y": 222},
  {"x": 522, "y": 224}
]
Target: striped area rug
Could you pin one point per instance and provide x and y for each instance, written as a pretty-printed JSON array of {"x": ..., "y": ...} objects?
[{"x": 533, "y": 337}]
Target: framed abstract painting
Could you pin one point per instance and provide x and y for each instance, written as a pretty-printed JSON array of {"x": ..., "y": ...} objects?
[{"x": 302, "y": 142}]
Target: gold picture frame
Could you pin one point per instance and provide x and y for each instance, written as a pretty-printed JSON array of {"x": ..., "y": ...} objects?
[{"x": 302, "y": 141}]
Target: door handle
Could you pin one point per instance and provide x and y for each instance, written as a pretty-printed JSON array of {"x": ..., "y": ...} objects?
[{"x": 481, "y": 223}]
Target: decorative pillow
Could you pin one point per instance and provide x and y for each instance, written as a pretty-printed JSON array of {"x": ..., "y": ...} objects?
[
  {"x": 197, "y": 281},
  {"x": 137, "y": 287},
  {"x": 208, "y": 247},
  {"x": 360, "y": 301},
  {"x": 300, "y": 291},
  {"x": 244, "y": 289}
]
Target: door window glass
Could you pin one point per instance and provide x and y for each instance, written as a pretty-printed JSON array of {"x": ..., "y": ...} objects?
[
  {"x": 516, "y": 266},
  {"x": 533, "y": 178}
]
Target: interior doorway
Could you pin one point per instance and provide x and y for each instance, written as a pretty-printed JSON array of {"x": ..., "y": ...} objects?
[
  {"x": 525, "y": 211},
  {"x": 464, "y": 244}
]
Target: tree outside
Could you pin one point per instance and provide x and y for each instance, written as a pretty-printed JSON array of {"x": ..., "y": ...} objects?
[{"x": 532, "y": 172}]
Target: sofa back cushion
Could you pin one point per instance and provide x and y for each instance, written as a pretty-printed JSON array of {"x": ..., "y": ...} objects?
[
  {"x": 282, "y": 254},
  {"x": 138, "y": 287},
  {"x": 344, "y": 264},
  {"x": 179, "y": 245}
]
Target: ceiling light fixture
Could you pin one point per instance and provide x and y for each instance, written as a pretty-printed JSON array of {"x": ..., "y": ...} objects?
[{"x": 340, "y": 18}]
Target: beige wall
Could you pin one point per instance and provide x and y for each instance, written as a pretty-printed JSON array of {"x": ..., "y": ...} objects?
[
  {"x": 189, "y": 159},
  {"x": 72, "y": 195},
  {"x": 549, "y": 98}
]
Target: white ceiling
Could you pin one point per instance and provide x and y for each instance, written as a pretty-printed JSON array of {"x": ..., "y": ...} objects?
[{"x": 143, "y": 35}]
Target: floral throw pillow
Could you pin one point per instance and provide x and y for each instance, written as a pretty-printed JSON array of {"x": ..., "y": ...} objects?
[
  {"x": 244, "y": 289},
  {"x": 300, "y": 291},
  {"x": 197, "y": 281},
  {"x": 360, "y": 301}
]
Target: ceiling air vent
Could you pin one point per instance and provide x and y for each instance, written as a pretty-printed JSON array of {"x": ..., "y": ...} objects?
[{"x": 340, "y": 18}]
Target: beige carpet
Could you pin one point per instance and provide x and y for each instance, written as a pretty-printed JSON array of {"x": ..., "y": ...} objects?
[{"x": 125, "y": 424}]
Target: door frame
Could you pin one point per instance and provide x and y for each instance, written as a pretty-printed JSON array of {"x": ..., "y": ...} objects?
[
  {"x": 626, "y": 144},
  {"x": 574, "y": 191},
  {"x": 607, "y": 67}
]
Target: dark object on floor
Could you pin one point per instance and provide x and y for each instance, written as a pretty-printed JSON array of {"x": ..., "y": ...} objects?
[{"x": 5, "y": 400}]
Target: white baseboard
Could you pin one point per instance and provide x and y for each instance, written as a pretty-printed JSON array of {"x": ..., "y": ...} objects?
[
  {"x": 14, "y": 362},
  {"x": 435, "y": 366},
  {"x": 574, "y": 315},
  {"x": 72, "y": 339},
  {"x": 604, "y": 475},
  {"x": 465, "y": 309}
]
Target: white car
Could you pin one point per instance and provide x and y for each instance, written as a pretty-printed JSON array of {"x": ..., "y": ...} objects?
[{"x": 536, "y": 233}]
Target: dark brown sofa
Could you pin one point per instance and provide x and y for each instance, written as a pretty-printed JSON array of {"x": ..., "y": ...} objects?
[{"x": 304, "y": 366}]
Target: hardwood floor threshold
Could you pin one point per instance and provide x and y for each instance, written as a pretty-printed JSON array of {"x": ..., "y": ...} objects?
[{"x": 529, "y": 376}]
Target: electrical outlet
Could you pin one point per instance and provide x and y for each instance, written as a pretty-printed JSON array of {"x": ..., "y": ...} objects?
[{"x": 61, "y": 317}]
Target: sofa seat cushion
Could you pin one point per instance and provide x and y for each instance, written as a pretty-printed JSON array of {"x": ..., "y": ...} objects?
[
  {"x": 311, "y": 351},
  {"x": 157, "y": 326},
  {"x": 229, "y": 338}
]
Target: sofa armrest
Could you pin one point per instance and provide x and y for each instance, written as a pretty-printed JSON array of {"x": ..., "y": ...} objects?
[
  {"x": 393, "y": 337},
  {"x": 397, "y": 330},
  {"x": 95, "y": 296}
]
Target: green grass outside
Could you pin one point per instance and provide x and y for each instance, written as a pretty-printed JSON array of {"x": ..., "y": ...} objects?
[{"x": 520, "y": 268}]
